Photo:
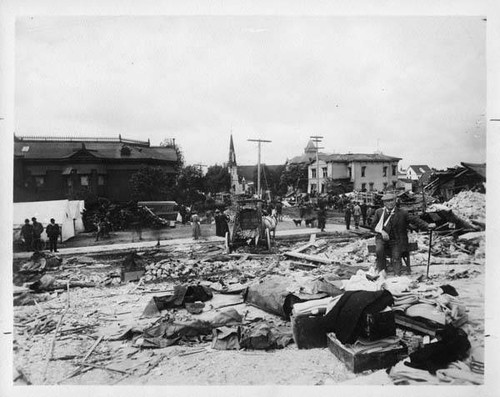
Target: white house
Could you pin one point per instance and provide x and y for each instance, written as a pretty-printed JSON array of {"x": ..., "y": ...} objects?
[
  {"x": 367, "y": 172},
  {"x": 415, "y": 172}
]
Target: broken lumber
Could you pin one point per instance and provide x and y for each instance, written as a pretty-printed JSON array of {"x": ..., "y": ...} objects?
[
  {"x": 311, "y": 258},
  {"x": 302, "y": 265},
  {"x": 52, "y": 345},
  {"x": 92, "y": 348}
]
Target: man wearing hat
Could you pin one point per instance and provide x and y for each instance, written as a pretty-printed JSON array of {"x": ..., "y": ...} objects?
[
  {"x": 37, "y": 234},
  {"x": 391, "y": 224}
]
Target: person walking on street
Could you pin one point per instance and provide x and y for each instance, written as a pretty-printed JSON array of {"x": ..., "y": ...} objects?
[
  {"x": 356, "y": 212},
  {"x": 37, "y": 234},
  {"x": 347, "y": 216},
  {"x": 364, "y": 209},
  {"x": 322, "y": 217},
  {"x": 53, "y": 231},
  {"x": 391, "y": 224},
  {"x": 27, "y": 235},
  {"x": 195, "y": 225},
  {"x": 279, "y": 211},
  {"x": 221, "y": 226},
  {"x": 369, "y": 214}
]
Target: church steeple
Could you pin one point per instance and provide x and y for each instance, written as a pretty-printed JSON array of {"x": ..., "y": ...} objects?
[{"x": 232, "y": 154}]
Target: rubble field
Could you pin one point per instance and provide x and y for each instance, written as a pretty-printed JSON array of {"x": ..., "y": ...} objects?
[{"x": 185, "y": 318}]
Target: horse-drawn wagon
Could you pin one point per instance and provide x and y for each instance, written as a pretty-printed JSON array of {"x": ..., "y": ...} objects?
[{"x": 251, "y": 225}]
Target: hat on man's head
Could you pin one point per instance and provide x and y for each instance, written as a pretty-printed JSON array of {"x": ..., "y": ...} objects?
[
  {"x": 217, "y": 211},
  {"x": 388, "y": 197}
]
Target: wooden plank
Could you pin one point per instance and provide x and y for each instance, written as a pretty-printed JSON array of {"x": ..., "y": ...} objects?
[{"x": 311, "y": 258}]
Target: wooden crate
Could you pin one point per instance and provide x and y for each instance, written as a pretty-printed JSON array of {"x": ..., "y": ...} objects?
[{"x": 359, "y": 362}]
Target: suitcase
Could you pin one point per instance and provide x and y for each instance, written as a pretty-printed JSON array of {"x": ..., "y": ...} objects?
[
  {"x": 379, "y": 325},
  {"x": 308, "y": 331}
]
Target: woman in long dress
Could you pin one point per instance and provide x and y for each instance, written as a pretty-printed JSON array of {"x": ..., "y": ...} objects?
[{"x": 195, "y": 225}]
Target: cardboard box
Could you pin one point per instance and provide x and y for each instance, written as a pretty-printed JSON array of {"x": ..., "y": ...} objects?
[{"x": 359, "y": 362}]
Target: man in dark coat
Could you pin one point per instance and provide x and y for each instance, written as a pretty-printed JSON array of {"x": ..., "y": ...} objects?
[
  {"x": 37, "y": 234},
  {"x": 27, "y": 234},
  {"x": 221, "y": 226},
  {"x": 347, "y": 216},
  {"x": 322, "y": 217},
  {"x": 364, "y": 209},
  {"x": 391, "y": 224},
  {"x": 53, "y": 231}
]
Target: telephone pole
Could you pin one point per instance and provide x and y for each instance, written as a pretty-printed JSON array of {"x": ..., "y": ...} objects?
[
  {"x": 317, "y": 139},
  {"x": 258, "y": 164}
]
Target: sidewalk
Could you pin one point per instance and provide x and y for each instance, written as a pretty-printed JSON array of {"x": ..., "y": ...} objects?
[{"x": 152, "y": 245}]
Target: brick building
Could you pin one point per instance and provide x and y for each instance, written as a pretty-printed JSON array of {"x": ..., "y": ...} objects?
[{"x": 49, "y": 168}]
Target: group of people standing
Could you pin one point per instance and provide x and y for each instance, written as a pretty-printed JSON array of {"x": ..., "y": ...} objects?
[
  {"x": 32, "y": 234},
  {"x": 359, "y": 212},
  {"x": 221, "y": 223}
]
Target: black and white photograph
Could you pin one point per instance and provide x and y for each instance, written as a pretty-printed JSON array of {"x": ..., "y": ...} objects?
[{"x": 275, "y": 196}]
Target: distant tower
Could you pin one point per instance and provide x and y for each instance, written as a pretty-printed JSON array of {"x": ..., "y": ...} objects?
[{"x": 232, "y": 168}]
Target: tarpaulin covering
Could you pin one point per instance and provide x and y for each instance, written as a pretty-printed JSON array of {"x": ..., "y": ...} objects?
[
  {"x": 182, "y": 294},
  {"x": 169, "y": 332},
  {"x": 65, "y": 212},
  {"x": 273, "y": 295}
]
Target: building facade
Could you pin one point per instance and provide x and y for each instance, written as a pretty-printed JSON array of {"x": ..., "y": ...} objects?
[
  {"x": 366, "y": 172},
  {"x": 415, "y": 172},
  {"x": 48, "y": 168}
]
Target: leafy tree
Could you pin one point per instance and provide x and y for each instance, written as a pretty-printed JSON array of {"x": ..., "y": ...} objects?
[
  {"x": 269, "y": 179},
  {"x": 190, "y": 184},
  {"x": 217, "y": 179},
  {"x": 294, "y": 175},
  {"x": 152, "y": 183},
  {"x": 170, "y": 143}
]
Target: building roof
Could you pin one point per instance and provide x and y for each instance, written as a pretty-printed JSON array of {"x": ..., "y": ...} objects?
[
  {"x": 420, "y": 169},
  {"x": 479, "y": 169},
  {"x": 248, "y": 171},
  {"x": 307, "y": 158},
  {"x": 360, "y": 157},
  {"x": 35, "y": 148}
]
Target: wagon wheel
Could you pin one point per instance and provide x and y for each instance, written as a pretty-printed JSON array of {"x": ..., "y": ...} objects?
[{"x": 268, "y": 238}]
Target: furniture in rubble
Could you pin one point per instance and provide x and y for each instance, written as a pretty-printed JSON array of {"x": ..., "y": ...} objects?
[
  {"x": 405, "y": 255},
  {"x": 248, "y": 228}
]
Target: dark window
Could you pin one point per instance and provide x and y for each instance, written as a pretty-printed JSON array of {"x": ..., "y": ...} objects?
[
  {"x": 384, "y": 173},
  {"x": 363, "y": 171},
  {"x": 394, "y": 170}
]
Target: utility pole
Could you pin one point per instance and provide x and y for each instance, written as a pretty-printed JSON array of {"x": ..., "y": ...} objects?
[
  {"x": 258, "y": 164},
  {"x": 317, "y": 139}
]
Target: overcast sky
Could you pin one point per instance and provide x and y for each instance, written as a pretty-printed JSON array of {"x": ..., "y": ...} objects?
[{"x": 412, "y": 87}]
